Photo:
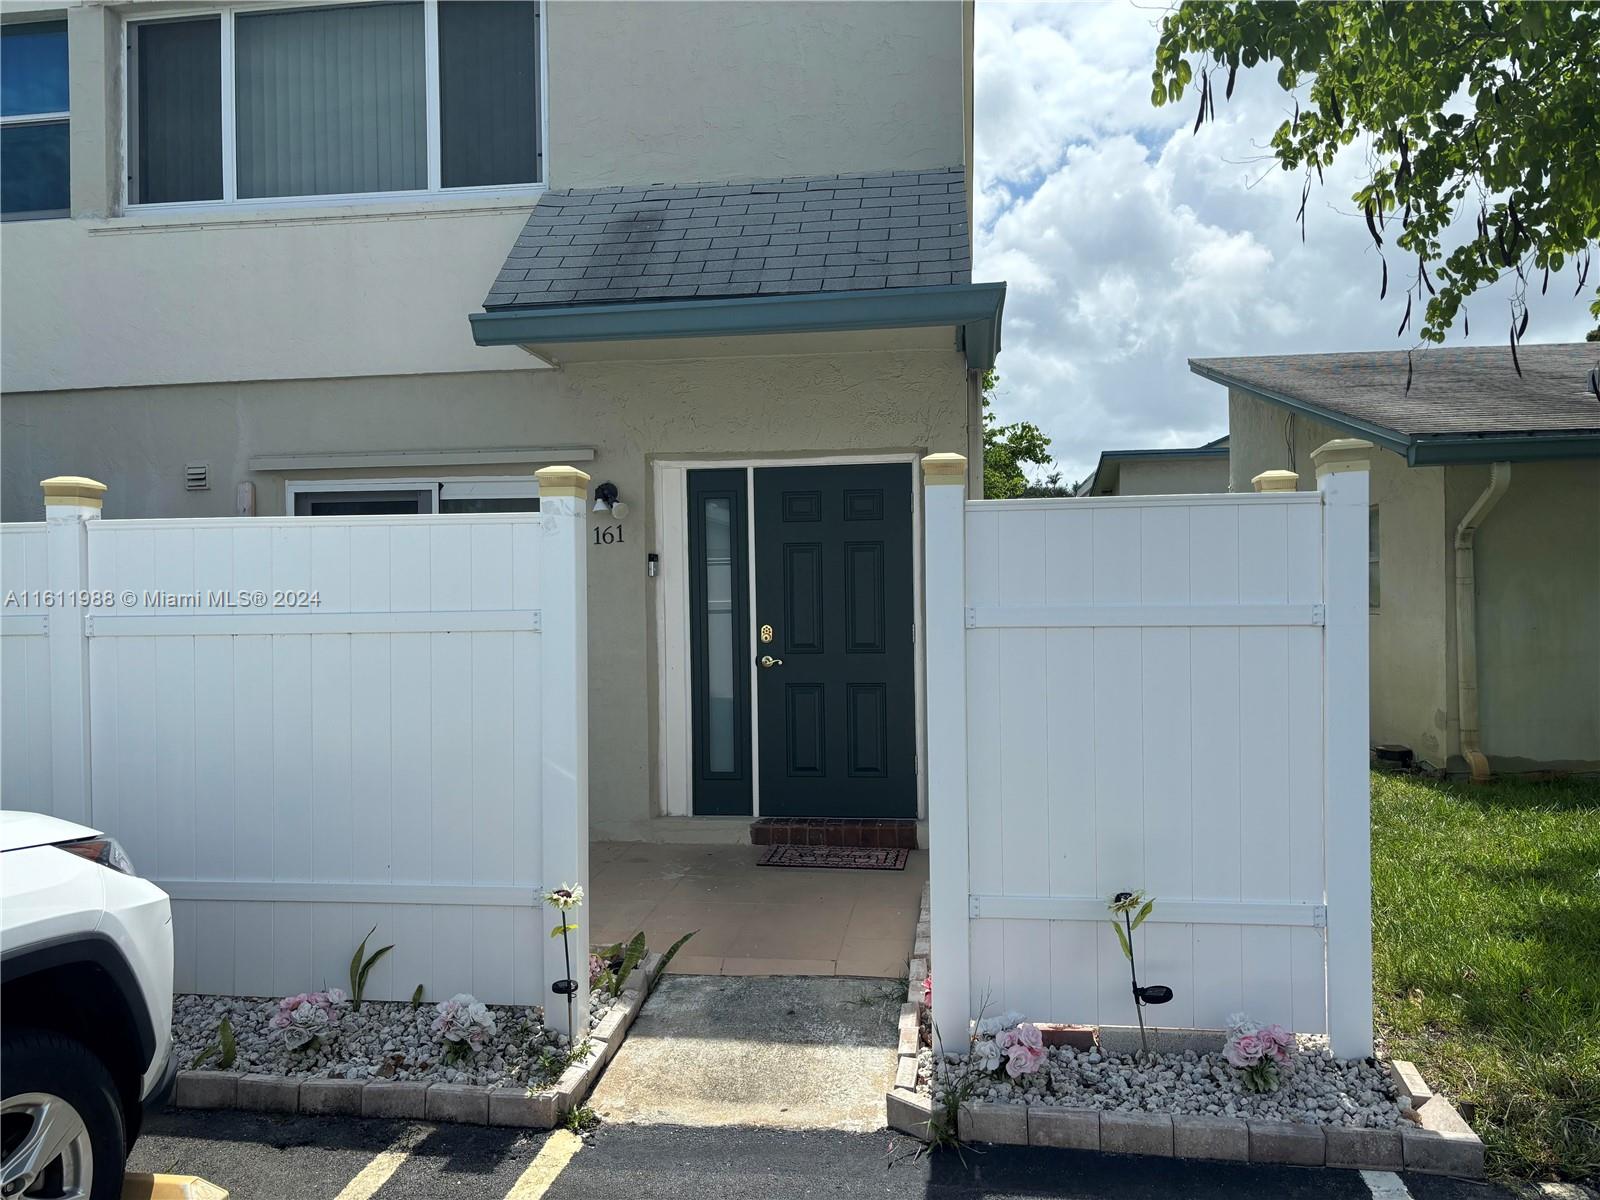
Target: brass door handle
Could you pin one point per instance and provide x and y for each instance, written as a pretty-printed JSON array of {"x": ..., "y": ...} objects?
[{"x": 768, "y": 661}]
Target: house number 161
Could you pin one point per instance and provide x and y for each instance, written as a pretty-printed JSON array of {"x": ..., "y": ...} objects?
[{"x": 607, "y": 535}]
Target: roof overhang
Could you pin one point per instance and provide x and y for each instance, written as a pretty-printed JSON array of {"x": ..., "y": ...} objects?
[
  {"x": 1109, "y": 467},
  {"x": 973, "y": 309},
  {"x": 1431, "y": 450}
]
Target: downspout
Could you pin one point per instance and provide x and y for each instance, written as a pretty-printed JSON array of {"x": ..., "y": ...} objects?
[{"x": 1467, "y": 621}]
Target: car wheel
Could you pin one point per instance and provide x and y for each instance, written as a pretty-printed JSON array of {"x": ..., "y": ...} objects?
[{"x": 60, "y": 1122}]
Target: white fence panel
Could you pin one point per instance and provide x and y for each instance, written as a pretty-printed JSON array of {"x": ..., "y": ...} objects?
[
  {"x": 303, "y": 728},
  {"x": 1144, "y": 709}
]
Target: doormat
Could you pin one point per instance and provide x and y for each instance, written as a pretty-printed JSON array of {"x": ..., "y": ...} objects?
[{"x": 847, "y": 858}]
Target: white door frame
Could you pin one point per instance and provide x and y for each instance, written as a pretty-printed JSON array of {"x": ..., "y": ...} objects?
[{"x": 675, "y": 732}]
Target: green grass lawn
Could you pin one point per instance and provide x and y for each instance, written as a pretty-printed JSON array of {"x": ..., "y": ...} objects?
[{"x": 1486, "y": 940}]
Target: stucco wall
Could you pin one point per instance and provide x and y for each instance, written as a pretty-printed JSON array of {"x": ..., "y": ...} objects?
[
  {"x": 652, "y": 92},
  {"x": 137, "y": 441},
  {"x": 1538, "y": 583},
  {"x": 1411, "y": 702},
  {"x": 1171, "y": 476}
]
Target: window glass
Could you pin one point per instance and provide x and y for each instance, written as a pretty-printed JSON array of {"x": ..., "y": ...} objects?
[
  {"x": 721, "y": 719},
  {"x": 177, "y": 110},
  {"x": 361, "y": 503},
  {"x": 33, "y": 169},
  {"x": 1372, "y": 557},
  {"x": 33, "y": 68},
  {"x": 488, "y": 92},
  {"x": 489, "y": 504},
  {"x": 330, "y": 101}
]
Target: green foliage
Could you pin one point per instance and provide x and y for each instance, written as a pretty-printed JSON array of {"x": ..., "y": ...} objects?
[
  {"x": 361, "y": 966},
  {"x": 1480, "y": 107},
  {"x": 416, "y": 998},
  {"x": 224, "y": 1049},
  {"x": 1134, "y": 903},
  {"x": 1006, "y": 448},
  {"x": 672, "y": 951},
  {"x": 580, "y": 1120},
  {"x": 1486, "y": 958},
  {"x": 631, "y": 956},
  {"x": 562, "y": 929}
]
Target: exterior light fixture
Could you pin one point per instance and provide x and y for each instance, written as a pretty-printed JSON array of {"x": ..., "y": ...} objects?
[{"x": 607, "y": 500}]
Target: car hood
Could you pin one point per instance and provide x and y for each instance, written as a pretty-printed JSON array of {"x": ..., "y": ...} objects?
[{"x": 19, "y": 830}]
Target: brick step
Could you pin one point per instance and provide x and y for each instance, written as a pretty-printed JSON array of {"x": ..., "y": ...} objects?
[{"x": 834, "y": 831}]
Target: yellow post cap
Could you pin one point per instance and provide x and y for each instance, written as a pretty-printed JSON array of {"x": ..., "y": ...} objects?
[
  {"x": 1276, "y": 481},
  {"x": 944, "y": 468},
  {"x": 1342, "y": 454},
  {"x": 562, "y": 481},
  {"x": 73, "y": 489}
]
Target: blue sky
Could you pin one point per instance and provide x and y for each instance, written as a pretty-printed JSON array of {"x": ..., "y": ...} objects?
[{"x": 1131, "y": 245}]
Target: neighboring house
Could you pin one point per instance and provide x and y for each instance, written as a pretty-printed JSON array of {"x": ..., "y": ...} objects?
[
  {"x": 1180, "y": 472},
  {"x": 743, "y": 297},
  {"x": 1485, "y": 536}
]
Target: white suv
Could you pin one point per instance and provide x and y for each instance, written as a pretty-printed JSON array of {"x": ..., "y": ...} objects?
[{"x": 86, "y": 1013}]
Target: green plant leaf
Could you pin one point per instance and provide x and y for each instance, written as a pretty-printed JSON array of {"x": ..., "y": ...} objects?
[
  {"x": 609, "y": 952},
  {"x": 1122, "y": 937},
  {"x": 355, "y": 970},
  {"x": 630, "y": 959},
  {"x": 230, "y": 1048},
  {"x": 1149, "y": 907},
  {"x": 416, "y": 998},
  {"x": 672, "y": 950},
  {"x": 560, "y": 929}
]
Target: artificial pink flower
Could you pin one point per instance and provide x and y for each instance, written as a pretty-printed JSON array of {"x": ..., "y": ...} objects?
[
  {"x": 927, "y": 990},
  {"x": 1245, "y": 1050}
]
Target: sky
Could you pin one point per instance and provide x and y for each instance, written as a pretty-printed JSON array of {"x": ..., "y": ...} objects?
[{"x": 1130, "y": 245}]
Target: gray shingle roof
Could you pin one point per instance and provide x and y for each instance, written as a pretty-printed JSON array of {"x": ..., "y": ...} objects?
[
  {"x": 1466, "y": 390},
  {"x": 814, "y": 234}
]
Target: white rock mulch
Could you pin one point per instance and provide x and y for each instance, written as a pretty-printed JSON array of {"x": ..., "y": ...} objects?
[
  {"x": 381, "y": 1040},
  {"x": 1318, "y": 1089}
]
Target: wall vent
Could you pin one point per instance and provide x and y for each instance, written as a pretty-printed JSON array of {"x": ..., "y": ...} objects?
[{"x": 197, "y": 477}]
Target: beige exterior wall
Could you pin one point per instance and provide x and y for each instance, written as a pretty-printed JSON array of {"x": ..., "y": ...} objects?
[
  {"x": 1171, "y": 476},
  {"x": 1538, "y": 598},
  {"x": 137, "y": 441},
  {"x": 650, "y": 92}
]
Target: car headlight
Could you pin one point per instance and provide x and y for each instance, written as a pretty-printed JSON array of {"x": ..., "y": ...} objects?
[{"x": 108, "y": 852}]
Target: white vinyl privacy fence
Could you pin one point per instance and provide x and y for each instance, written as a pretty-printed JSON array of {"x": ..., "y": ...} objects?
[
  {"x": 1166, "y": 693},
  {"x": 302, "y": 728}
]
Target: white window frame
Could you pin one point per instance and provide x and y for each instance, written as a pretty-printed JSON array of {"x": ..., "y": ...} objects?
[
  {"x": 433, "y": 193},
  {"x": 438, "y": 487},
  {"x": 64, "y": 117}
]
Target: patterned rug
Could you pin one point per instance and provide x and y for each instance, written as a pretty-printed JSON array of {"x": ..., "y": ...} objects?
[{"x": 850, "y": 858}]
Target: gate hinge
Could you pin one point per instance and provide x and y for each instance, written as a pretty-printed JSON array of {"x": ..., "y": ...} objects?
[
  {"x": 1319, "y": 614},
  {"x": 1319, "y": 916},
  {"x": 971, "y": 615}
]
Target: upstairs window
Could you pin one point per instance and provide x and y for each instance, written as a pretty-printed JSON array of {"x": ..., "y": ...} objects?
[
  {"x": 34, "y": 176},
  {"x": 345, "y": 101}
]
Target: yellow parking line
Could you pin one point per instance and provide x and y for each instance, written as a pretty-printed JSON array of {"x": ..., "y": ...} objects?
[
  {"x": 551, "y": 1160},
  {"x": 376, "y": 1173},
  {"x": 139, "y": 1186}
]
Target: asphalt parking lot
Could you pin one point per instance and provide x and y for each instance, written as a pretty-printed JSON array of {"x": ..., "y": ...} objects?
[{"x": 265, "y": 1157}]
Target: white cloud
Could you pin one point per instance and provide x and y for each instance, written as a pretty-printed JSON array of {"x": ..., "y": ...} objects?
[{"x": 1130, "y": 245}]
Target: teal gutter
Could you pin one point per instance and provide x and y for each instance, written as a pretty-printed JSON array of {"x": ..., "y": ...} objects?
[
  {"x": 1431, "y": 450},
  {"x": 974, "y": 308},
  {"x": 1174, "y": 452}
]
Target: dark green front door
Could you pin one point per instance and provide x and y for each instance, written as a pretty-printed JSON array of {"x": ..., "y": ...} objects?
[{"x": 835, "y": 690}]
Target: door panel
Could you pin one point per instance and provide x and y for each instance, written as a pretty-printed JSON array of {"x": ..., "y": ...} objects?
[
  {"x": 837, "y": 709},
  {"x": 719, "y": 642}
]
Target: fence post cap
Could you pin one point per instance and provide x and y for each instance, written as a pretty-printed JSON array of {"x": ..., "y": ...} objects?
[
  {"x": 944, "y": 468},
  {"x": 1276, "y": 481},
  {"x": 562, "y": 481},
  {"x": 1342, "y": 454},
  {"x": 73, "y": 489}
]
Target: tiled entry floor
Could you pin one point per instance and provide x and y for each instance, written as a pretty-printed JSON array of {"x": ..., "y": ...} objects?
[{"x": 755, "y": 920}]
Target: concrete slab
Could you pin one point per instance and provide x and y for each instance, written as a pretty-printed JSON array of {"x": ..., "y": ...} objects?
[{"x": 780, "y": 1053}]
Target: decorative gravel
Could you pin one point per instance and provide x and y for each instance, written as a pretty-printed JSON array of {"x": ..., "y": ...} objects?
[
  {"x": 383, "y": 1040},
  {"x": 1318, "y": 1090}
]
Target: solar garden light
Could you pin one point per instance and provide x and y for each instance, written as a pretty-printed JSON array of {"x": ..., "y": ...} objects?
[{"x": 1133, "y": 908}]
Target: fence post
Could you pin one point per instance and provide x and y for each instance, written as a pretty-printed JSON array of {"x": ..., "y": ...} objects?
[
  {"x": 70, "y": 501},
  {"x": 944, "y": 565},
  {"x": 564, "y": 686},
  {"x": 1342, "y": 466}
]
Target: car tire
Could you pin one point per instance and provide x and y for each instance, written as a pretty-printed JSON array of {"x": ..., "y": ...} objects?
[{"x": 40, "y": 1063}]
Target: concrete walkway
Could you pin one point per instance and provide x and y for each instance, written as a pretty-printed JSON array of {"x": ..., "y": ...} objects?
[{"x": 776, "y": 1053}]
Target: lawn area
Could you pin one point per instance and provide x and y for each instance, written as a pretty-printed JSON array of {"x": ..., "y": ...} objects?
[{"x": 1486, "y": 941}]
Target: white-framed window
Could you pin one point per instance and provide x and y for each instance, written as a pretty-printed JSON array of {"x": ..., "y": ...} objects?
[
  {"x": 35, "y": 176},
  {"x": 392, "y": 497},
  {"x": 297, "y": 104}
]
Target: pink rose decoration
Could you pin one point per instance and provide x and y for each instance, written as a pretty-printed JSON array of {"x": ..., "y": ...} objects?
[
  {"x": 927, "y": 991},
  {"x": 1245, "y": 1050},
  {"x": 1024, "y": 1049}
]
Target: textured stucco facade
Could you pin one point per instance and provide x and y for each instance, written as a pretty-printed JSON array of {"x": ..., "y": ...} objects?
[
  {"x": 1170, "y": 476},
  {"x": 1538, "y": 560},
  {"x": 630, "y": 413}
]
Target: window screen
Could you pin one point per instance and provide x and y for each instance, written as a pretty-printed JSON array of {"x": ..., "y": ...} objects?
[
  {"x": 331, "y": 101},
  {"x": 488, "y": 92},
  {"x": 177, "y": 110}
]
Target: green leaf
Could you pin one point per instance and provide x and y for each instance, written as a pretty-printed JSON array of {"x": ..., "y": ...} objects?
[
  {"x": 630, "y": 960},
  {"x": 673, "y": 949},
  {"x": 416, "y": 998},
  {"x": 1149, "y": 907},
  {"x": 1122, "y": 937},
  {"x": 560, "y": 929},
  {"x": 230, "y": 1048}
]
